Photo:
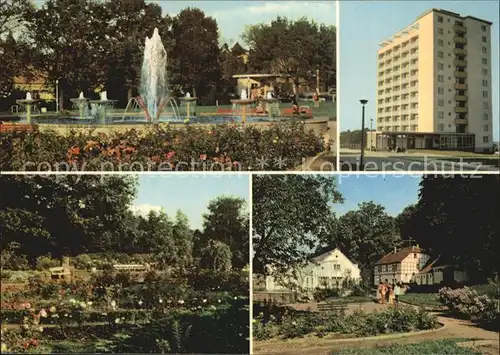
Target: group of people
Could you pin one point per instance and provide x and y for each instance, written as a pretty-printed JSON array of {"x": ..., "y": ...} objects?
[{"x": 387, "y": 293}]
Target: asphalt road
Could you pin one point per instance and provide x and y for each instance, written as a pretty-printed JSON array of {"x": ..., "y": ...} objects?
[{"x": 411, "y": 163}]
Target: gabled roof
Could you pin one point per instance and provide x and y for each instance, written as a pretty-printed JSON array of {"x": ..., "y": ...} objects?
[
  {"x": 398, "y": 256},
  {"x": 321, "y": 257}
]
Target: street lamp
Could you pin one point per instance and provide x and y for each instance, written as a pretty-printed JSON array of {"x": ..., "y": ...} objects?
[
  {"x": 371, "y": 133},
  {"x": 363, "y": 103},
  {"x": 57, "y": 96}
]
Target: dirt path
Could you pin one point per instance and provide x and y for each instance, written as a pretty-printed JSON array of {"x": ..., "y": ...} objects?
[{"x": 453, "y": 328}]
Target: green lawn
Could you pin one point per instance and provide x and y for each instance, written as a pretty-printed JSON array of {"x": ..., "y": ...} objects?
[
  {"x": 441, "y": 347},
  {"x": 350, "y": 299},
  {"x": 421, "y": 299}
]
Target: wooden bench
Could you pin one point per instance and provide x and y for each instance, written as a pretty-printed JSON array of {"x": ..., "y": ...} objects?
[{"x": 332, "y": 307}]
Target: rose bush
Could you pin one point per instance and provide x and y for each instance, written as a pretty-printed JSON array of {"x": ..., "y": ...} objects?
[
  {"x": 164, "y": 147},
  {"x": 467, "y": 303}
]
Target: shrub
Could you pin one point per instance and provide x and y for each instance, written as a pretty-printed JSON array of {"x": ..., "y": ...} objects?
[
  {"x": 163, "y": 146},
  {"x": 45, "y": 262},
  {"x": 467, "y": 303},
  {"x": 392, "y": 320},
  {"x": 464, "y": 301},
  {"x": 321, "y": 294}
]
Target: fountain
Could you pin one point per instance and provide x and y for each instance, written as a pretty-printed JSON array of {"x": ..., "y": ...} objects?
[
  {"x": 243, "y": 102},
  {"x": 28, "y": 102},
  {"x": 103, "y": 105},
  {"x": 272, "y": 105},
  {"x": 154, "y": 77},
  {"x": 81, "y": 103},
  {"x": 187, "y": 102}
]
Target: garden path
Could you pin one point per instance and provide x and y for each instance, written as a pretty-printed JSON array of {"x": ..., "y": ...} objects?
[{"x": 453, "y": 328}]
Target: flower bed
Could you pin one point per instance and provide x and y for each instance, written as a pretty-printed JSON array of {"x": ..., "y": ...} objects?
[
  {"x": 163, "y": 147},
  {"x": 467, "y": 303},
  {"x": 288, "y": 324}
]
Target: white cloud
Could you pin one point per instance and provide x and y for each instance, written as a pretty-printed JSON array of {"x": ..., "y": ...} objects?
[{"x": 145, "y": 208}]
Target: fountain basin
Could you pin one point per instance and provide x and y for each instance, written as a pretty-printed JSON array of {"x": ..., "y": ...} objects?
[{"x": 243, "y": 101}]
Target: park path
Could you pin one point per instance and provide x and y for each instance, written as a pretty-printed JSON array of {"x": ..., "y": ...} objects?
[{"x": 453, "y": 328}]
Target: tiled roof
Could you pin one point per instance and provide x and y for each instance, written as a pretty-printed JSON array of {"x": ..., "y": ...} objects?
[{"x": 398, "y": 256}]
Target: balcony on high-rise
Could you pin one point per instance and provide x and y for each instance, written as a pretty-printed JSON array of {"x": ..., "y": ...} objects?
[
  {"x": 460, "y": 63},
  {"x": 460, "y": 86},
  {"x": 459, "y": 28},
  {"x": 460, "y": 39},
  {"x": 461, "y": 109},
  {"x": 460, "y": 51},
  {"x": 460, "y": 74},
  {"x": 461, "y": 98}
]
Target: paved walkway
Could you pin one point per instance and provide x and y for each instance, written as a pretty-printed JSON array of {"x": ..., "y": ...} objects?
[{"x": 453, "y": 328}]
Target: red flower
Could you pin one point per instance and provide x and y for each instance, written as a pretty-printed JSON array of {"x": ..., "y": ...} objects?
[
  {"x": 170, "y": 155},
  {"x": 26, "y": 344},
  {"x": 34, "y": 342},
  {"x": 203, "y": 157}
]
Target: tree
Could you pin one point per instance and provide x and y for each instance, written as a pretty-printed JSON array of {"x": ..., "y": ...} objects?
[
  {"x": 71, "y": 41},
  {"x": 231, "y": 62},
  {"x": 297, "y": 48},
  {"x": 364, "y": 235},
  {"x": 12, "y": 14},
  {"x": 196, "y": 50},
  {"x": 290, "y": 212},
  {"x": 216, "y": 256},
  {"x": 406, "y": 222},
  {"x": 227, "y": 222},
  {"x": 14, "y": 51},
  {"x": 131, "y": 22},
  {"x": 457, "y": 219},
  {"x": 64, "y": 215}
]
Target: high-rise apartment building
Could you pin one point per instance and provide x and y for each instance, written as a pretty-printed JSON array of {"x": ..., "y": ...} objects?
[{"x": 434, "y": 85}]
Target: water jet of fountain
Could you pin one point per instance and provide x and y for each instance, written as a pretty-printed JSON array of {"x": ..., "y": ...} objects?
[{"x": 154, "y": 74}]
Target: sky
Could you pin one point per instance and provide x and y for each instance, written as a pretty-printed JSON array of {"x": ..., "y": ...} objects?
[
  {"x": 189, "y": 193},
  {"x": 233, "y": 16},
  {"x": 394, "y": 192},
  {"x": 364, "y": 24}
]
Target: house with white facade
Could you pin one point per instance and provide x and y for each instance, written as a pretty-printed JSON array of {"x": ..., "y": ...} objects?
[
  {"x": 327, "y": 270},
  {"x": 436, "y": 272},
  {"x": 401, "y": 265}
]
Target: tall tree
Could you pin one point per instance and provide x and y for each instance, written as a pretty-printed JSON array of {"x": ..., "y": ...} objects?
[
  {"x": 298, "y": 48},
  {"x": 64, "y": 215},
  {"x": 227, "y": 221},
  {"x": 14, "y": 50},
  {"x": 290, "y": 213},
  {"x": 197, "y": 50},
  {"x": 364, "y": 235},
  {"x": 71, "y": 40},
  {"x": 458, "y": 218},
  {"x": 131, "y": 22}
]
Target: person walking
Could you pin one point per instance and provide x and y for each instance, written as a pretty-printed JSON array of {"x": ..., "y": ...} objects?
[
  {"x": 383, "y": 291},
  {"x": 379, "y": 292},
  {"x": 391, "y": 294},
  {"x": 397, "y": 292}
]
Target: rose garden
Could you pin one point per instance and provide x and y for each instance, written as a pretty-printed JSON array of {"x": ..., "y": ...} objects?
[{"x": 81, "y": 273}]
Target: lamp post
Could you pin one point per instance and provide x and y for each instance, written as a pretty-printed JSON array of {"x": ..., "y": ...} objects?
[
  {"x": 363, "y": 103},
  {"x": 57, "y": 96},
  {"x": 371, "y": 133}
]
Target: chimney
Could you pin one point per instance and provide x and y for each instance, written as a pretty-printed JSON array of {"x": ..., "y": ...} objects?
[
  {"x": 395, "y": 250},
  {"x": 418, "y": 246}
]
